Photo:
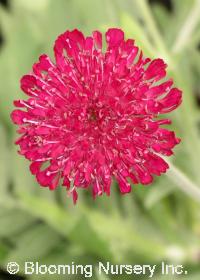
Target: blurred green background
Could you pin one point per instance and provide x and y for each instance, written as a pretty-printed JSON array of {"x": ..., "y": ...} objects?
[{"x": 157, "y": 223}]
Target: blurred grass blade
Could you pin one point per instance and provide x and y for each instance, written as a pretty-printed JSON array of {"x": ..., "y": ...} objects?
[
  {"x": 151, "y": 26},
  {"x": 134, "y": 30},
  {"x": 188, "y": 27}
]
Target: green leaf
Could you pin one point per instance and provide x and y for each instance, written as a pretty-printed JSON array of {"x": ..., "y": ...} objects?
[
  {"x": 95, "y": 243},
  {"x": 4, "y": 163},
  {"x": 33, "y": 244},
  {"x": 51, "y": 213},
  {"x": 13, "y": 221}
]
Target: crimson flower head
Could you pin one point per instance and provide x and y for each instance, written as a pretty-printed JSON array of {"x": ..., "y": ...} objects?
[{"x": 92, "y": 115}]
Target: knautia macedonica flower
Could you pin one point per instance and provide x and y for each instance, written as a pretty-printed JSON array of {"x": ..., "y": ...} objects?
[{"x": 92, "y": 116}]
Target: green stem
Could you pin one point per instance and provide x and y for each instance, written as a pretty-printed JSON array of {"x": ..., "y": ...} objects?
[
  {"x": 183, "y": 182},
  {"x": 188, "y": 117}
]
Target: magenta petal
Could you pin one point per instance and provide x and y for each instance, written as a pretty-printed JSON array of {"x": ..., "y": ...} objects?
[
  {"x": 28, "y": 85},
  {"x": 156, "y": 70},
  {"x": 19, "y": 117},
  {"x": 75, "y": 196},
  {"x": 45, "y": 179},
  {"x": 96, "y": 114},
  {"x": 124, "y": 186},
  {"x": 143, "y": 175},
  {"x": 54, "y": 182},
  {"x": 114, "y": 37},
  {"x": 172, "y": 100},
  {"x": 35, "y": 167},
  {"x": 97, "y": 39},
  {"x": 97, "y": 188}
]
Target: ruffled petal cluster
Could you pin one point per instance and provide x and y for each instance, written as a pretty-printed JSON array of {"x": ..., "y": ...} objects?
[{"x": 93, "y": 115}]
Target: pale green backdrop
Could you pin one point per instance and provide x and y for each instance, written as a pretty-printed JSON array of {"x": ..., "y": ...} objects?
[{"x": 157, "y": 223}]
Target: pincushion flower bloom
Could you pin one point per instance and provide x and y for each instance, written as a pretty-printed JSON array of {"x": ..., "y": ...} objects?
[{"x": 92, "y": 115}]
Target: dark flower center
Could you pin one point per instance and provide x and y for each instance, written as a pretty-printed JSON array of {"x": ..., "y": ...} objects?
[{"x": 92, "y": 114}]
